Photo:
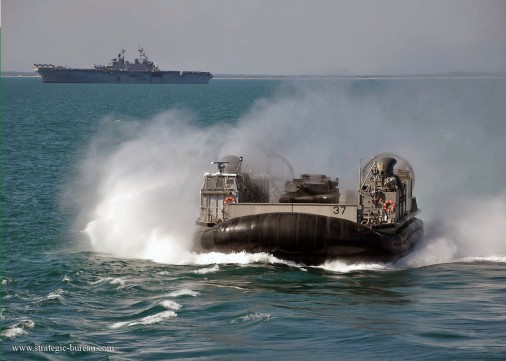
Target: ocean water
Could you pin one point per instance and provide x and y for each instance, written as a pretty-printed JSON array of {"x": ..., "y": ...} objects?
[{"x": 100, "y": 194}]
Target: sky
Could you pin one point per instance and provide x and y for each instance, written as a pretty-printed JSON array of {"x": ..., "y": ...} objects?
[{"x": 344, "y": 37}]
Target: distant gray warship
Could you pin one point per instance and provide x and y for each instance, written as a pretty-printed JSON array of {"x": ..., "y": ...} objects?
[
  {"x": 141, "y": 71},
  {"x": 309, "y": 222}
]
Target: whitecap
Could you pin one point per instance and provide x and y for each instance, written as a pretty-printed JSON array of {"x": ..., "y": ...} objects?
[
  {"x": 184, "y": 292},
  {"x": 119, "y": 324},
  {"x": 260, "y": 316},
  {"x": 494, "y": 259},
  {"x": 171, "y": 305},
  {"x": 55, "y": 295},
  {"x": 13, "y": 332},
  {"x": 117, "y": 281},
  {"x": 204, "y": 271},
  {"x": 226, "y": 286},
  {"x": 342, "y": 267},
  {"x": 101, "y": 281},
  {"x": 66, "y": 278},
  {"x": 18, "y": 329},
  {"x": 27, "y": 323},
  {"x": 110, "y": 280},
  {"x": 242, "y": 257},
  {"x": 157, "y": 317},
  {"x": 148, "y": 320}
]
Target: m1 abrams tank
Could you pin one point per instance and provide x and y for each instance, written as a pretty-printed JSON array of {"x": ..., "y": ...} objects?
[
  {"x": 309, "y": 223},
  {"x": 311, "y": 188}
]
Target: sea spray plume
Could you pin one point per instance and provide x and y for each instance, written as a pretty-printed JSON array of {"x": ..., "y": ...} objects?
[
  {"x": 317, "y": 128},
  {"x": 144, "y": 186},
  {"x": 472, "y": 230},
  {"x": 144, "y": 177},
  {"x": 438, "y": 245},
  {"x": 481, "y": 226},
  {"x": 453, "y": 137}
]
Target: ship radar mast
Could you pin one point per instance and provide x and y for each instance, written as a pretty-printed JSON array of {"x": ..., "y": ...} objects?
[
  {"x": 142, "y": 55},
  {"x": 221, "y": 166}
]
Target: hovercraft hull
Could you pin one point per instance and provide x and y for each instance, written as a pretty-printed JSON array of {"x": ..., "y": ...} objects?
[{"x": 309, "y": 238}]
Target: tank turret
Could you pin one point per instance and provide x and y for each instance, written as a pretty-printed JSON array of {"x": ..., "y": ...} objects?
[{"x": 311, "y": 188}]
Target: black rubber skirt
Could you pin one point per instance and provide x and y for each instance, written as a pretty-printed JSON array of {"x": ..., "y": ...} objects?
[{"x": 308, "y": 238}]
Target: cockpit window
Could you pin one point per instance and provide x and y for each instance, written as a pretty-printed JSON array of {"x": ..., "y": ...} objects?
[
  {"x": 209, "y": 183},
  {"x": 231, "y": 183},
  {"x": 219, "y": 183}
]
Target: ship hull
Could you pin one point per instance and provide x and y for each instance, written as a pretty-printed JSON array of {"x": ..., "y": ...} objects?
[
  {"x": 309, "y": 238},
  {"x": 122, "y": 77}
]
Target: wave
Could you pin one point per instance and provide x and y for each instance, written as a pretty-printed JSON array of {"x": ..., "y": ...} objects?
[
  {"x": 343, "y": 267},
  {"x": 171, "y": 305},
  {"x": 18, "y": 329},
  {"x": 490, "y": 259},
  {"x": 184, "y": 292},
  {"x": 148, "y": 320},
  {"x": 109, "y": 280},
  {"x": 255, "y": 317},
  {"x": 56, "y": 295},
  {"x": 204, "y": 271},
  {"x": 239, "y": 258}
]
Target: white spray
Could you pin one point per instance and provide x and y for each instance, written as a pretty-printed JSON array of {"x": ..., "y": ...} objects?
[
  {"x": 144, "y": 188},
  {"x": 142, "y": 191}
]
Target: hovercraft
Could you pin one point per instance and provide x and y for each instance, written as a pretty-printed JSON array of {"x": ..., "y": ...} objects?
[{"x": 309, "y": 222}]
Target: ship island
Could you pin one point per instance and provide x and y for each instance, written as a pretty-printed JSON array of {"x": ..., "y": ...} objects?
[{"x": 121, "y": 71}]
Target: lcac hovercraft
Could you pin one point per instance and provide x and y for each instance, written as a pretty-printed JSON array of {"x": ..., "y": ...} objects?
[{"x": 309, "y": 223}]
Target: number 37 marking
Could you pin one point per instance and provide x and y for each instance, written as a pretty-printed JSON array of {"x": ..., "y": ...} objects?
[{"x": 339, "y": 209}]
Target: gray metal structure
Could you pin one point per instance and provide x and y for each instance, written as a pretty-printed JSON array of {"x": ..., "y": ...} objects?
[{"x": 121, "y": 71}]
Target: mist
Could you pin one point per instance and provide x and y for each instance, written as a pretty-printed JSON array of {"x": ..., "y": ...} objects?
[
  {"x": 140, "y": 179},
  {"x": 139, "y": 186}
]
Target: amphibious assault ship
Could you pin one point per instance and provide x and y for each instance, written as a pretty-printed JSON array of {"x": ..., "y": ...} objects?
[
  {"x": 310, "y": 223},
  {"x": 141, "y": 71}
]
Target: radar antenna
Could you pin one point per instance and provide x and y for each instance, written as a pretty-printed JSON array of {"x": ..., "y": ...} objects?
[
  {"x": 221, "y": 166},
  {"x": 121, "y": 57},
  {"x": 142, "y": 54}
]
